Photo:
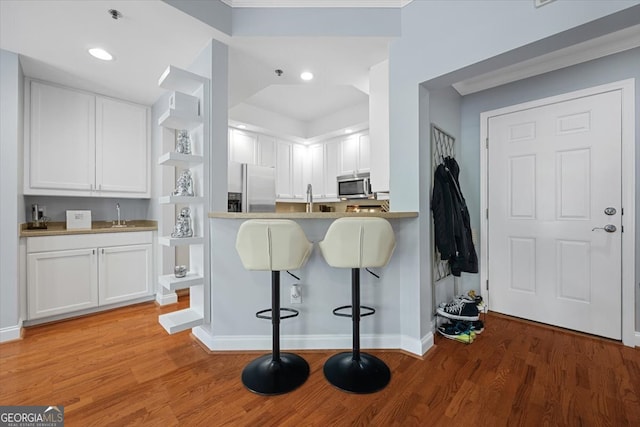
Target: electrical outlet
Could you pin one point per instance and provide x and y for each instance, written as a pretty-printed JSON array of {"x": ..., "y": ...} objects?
[{"x": 296, "y": 294}]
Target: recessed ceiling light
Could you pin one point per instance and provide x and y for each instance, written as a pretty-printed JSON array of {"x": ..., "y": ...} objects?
[
  {"x": 99, "y": 53},
  {"x": 306, "y": 76},
  {"x": 348, "y": 131},
  {"x": 242, "y": 126}
]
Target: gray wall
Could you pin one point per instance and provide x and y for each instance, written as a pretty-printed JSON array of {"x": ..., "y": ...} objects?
[
  {"x": 11, "y": 205},
  {"x": 609, "y": 69},
  {"x": 102, "y": 208}
]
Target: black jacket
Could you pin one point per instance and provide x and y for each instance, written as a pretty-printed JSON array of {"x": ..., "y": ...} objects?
[{"x": 451, "y": 220}]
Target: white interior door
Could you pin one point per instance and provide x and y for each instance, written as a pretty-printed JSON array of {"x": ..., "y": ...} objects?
[{"x": 553, "y": 172}]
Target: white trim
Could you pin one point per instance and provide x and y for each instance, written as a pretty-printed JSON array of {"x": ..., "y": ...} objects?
[
  {"x": 166, "y": 299},
  {"x": 599, "y": 47},
  {"x": 627, "y": 88},
  {"x": 313, "y": 342},
  {"x": 317, "y": 3},
  {"x": 637, "y": 339},
  {"x": 11, "y": 333}
]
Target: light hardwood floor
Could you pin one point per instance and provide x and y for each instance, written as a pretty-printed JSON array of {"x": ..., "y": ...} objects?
[{"x": 121, "y": 368}]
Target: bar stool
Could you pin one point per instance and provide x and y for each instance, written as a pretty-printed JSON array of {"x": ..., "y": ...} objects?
[
  {"x": 357, "y": 242},
  {"x": 274, "y": 245}
]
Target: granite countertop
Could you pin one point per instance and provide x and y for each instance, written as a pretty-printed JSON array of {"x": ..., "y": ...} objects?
[
  {"x": 312, "y": 215},
  {"x": 60, "y": 228}
]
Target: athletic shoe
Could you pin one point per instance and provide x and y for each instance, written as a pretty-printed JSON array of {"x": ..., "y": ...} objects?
[
  {"x": 459, "y": 310},
  {"x": 477, "y": 326},
  {"x": 453, "y": 333}
]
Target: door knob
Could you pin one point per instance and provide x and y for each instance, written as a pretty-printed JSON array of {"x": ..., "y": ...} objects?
[{"x": 609, "y": 228}]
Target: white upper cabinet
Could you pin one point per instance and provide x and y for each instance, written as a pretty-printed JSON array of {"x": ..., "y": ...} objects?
[
  {"x": 61, "y": 132},
  {"x": 122, "y": 153},
  {"x": 332, "y": 169},
  {"x": 316, "y": 170},
  {"x": 284, "y": 189},
  {"x": 355, "y": 154},
  {"x": 242, "y": 147},
  {"x": 80, "y": 144},
  {"x": 266, "y": 151},
  {"x": 298, "y": 175}
]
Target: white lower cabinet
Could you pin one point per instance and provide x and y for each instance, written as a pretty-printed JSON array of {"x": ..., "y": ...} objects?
[
  {"x": 61, "y": 282},
  {"x": 66, "y": 274},
  {"x": 124, "y": 273}
]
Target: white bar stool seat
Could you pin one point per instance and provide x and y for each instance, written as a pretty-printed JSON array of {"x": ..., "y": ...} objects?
[
  {"x": 274, "y": 245},
  {"x": 355, "y": 243}
]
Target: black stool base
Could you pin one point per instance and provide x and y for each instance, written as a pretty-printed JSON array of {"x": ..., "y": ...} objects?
[
  {"x": 367, "y": 375},
  {"x": 268, "y": 377}
]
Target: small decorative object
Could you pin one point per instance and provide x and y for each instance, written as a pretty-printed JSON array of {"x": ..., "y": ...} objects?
[
  {"x": 184, "y": 142},
  {"x": 180, "y": 271},
  {"x": 184, "y": 185},
  {"x": 183, "y": 224}
]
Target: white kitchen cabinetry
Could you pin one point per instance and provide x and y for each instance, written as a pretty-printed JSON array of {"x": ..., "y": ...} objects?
[
  {"x": 242, "y": 148},
  {"x": 284, "y": 189},
  {"x": 122, "y": 151},
  {"x": 299, "y": 179},
  {"x": 354, "y": 157},
  {"x": 332, "y": 169},
  {"x": 291, "y": 171},
  {"x": 81, "y": 144},
  {"x": 266, "y": 151},
  {"x": 61, "y": 282},
  {"x": 317, "y": 170},
  {"x": 68, "y": 274},
  {"x": 124, "y": 273}
]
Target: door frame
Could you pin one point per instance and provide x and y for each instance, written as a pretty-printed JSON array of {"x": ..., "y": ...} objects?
[{"x": 627, "y": 88}]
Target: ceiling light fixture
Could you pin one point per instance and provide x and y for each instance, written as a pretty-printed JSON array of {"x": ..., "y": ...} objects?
[
  {"x": 348, "y": 131},
  {"x": 242, "y": 126},
  {"x": 306, "y": 76},
  {"x": 99, "y": 53}
]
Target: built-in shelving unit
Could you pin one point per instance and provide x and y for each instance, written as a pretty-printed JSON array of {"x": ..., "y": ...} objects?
[
  {"x": 178, "y": 80},
  {"x": 173, "y": 283}
]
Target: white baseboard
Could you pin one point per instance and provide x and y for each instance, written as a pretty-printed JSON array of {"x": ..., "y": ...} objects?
[
  {"x": 11, "y": 333},
  {"x": 312, "y": 342},
  {"x": 166, "y": 299},
  {"x": 637, "y": 339}
]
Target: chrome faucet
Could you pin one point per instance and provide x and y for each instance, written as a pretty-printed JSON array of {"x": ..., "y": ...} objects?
[
  {"x": 118, "y": 209},
  {"x": 119, "y": 223},
  {"x": 309, "y": 198}
]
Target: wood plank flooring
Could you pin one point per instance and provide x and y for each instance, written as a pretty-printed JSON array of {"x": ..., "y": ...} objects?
[{"x": 121, "y": 368}]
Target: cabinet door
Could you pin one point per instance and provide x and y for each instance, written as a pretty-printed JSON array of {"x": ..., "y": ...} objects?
[
  {"x": 61, "y": 282},
  {"x": 298, "y": 177},
  {"x": 349, "y": 152},
  {"x": 242, "y": 147},
  {"x": 266, "y": 151},
  {"x": 283, "y": 171},
  {"x": 332, "y": 169},
  {"x": 122, "y": 148},
  {"x": 364, "y": 149},
  {"x": 124, "y": 272},
  {"x": 60, "y": 152},
  {"x": 316, "y": 166}
]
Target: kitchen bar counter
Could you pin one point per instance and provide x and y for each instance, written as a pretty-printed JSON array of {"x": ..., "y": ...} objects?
[
  {"x": 311, "y": 215},
  {"x": 60, "y": 228}
]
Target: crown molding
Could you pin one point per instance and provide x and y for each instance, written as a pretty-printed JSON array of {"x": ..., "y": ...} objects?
[
  {"x": 317, "y": 3},
  {"x": 599, "y": 47}
]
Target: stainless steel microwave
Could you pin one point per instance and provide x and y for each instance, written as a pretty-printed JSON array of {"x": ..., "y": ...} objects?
[{"x": 356, "y": 186}]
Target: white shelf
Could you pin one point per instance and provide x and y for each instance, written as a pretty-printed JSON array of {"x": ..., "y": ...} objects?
[
  {"x": 167, "y": 200},
  {"x": 178, "y": 159},
  {"x": 172, "y": 283},
  {"x": 176, "y": 119},
  {"x": 181, "y": 320},
  {"x": 180, "y": 241},
  {"x": 175, "y": 78}
]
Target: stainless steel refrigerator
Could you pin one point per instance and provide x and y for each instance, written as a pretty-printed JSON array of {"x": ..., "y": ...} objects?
[{"x": 256, "y": 184}]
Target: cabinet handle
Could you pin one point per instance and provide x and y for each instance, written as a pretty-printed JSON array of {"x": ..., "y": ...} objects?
[
  {"x": 102, "y": 251},
  {"x": 93, "y": 251}
]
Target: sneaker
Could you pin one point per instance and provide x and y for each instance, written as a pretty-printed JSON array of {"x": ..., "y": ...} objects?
[
  {"x": 477, "y": 326},
  {"x": 453, "y": 333},
  {"x": 459, "y": 310}
]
